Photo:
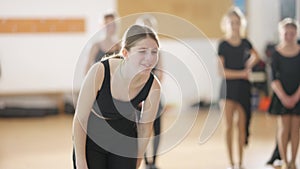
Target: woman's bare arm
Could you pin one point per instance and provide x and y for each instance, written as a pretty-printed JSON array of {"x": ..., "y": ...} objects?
[
  {"x": 230, "y": 73},
  {"x": 145, "y": 125},
  {"x": 285, "y": 99},
  {"x": 87, "y": 95},
  {"x": 253, "y": 60}
]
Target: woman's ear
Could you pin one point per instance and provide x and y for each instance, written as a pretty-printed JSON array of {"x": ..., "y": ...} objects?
[{"x": 125, "y": 53}]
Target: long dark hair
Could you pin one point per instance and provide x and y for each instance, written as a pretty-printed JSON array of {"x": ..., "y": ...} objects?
[{"x": 136, "y": 33}]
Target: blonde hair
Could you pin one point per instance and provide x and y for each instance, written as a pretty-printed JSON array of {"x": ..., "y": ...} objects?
[
  {"x": 288, "y": 22},
  {"x": 238, "y": 13}
]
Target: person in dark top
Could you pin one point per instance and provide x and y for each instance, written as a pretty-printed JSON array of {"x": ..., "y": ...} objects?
[
  {"x": 109, "y": 131},
  {"x": 237, "y": 57},
  {"x": 286, "y": 90},
  {"x": 276, "y": 155},
  {"x": 107, "y": 46}
]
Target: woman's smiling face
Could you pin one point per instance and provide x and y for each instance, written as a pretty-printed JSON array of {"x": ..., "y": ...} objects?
[{"x": 143, "y": 55}]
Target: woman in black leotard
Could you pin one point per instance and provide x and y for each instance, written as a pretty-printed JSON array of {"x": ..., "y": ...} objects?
[
  {"x": 286, "y": 86},
  {"x": 109, "y": 132},
  {"x": 237, "y": 57}
]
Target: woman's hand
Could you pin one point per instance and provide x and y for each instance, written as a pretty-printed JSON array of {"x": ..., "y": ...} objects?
[
  {"x": 245, "y": 74},
  {"x": 288, "y": 101},
  {"x": 295, "y": 98},
  {"x": 81, "y": 164}
]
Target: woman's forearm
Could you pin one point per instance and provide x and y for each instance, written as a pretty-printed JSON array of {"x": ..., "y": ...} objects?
[
  {"x": 79, "y": 140},
  {"x": 297, "y": 93},
  {"x": 234, "y": 74},
  {"x": 253, "y": 60},
  {"x": 144, "y": 133},
  {"x": 278, "y": 89},
  {"x": 230, "y": 73}
]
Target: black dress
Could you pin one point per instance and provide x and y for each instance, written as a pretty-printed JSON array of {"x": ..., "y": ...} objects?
[
  {"x": 287, "y": 71},
  {"x": 237, "y": 90}
]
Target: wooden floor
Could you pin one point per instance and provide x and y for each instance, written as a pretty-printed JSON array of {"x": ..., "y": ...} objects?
[{"x": 45, "y": 143}]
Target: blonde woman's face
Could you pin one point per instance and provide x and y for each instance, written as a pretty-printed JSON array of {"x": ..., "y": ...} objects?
[
  {"x": 289, "y": 34},
  {"x": 233, "y": 24},
  {"x": 144, "y": 55}
]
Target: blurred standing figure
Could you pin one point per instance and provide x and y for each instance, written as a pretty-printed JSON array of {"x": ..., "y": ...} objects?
[
  {"x": 276, "y": 155},
  {"x": 110, "y": 43},
  {"x": 237, "y": 57},
  {"x": 286, "y": 86},
  {"x": 149, "y": 20}
]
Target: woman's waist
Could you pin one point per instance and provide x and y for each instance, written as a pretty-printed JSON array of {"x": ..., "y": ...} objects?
[{"x": 114, "y": 115}]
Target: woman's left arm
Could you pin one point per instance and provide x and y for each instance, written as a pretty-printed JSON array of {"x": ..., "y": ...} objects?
[
  {"x": 145, "y": 125},
  {"x": 296, "y": 95},
  {"x": 253, "y": 60}
]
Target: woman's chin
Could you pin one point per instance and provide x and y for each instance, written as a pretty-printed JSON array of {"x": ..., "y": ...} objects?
[{"x": 146, "y": 70}]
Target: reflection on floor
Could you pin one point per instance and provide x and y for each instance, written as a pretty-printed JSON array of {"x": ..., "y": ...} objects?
[{"x": 45, "y": 143}]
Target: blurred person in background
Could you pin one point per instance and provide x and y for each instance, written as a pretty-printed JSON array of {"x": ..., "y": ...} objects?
[
  {"x": 285, "y": 84},
  {"x": 107, "y": 46},
  {"x": 237, "y": 57}
]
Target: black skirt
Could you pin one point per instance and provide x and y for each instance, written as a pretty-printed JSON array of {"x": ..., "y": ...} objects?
[{"x": 276, "y": 107}]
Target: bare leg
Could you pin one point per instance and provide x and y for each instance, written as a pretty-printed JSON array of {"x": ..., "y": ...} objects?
[
  {"x": 242, "y": 132},
  {"x": 284, "y": 127},
  {"x": 295, "y": 125},
  {"x": 229, "y": 107}
]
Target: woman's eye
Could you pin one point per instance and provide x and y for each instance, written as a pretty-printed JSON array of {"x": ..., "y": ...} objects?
[
  {"x": 142, "y": 51},
  {"x": 154, "y": 52}
]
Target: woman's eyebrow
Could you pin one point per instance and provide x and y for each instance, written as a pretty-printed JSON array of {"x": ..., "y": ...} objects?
[{"x": 142, "y": 48}]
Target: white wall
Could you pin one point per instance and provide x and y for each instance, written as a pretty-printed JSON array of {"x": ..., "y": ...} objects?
[
  {"x": 191, "y": 71},
  {"x": 45, "y": 61},
  {"x": 263, "y": 17}
]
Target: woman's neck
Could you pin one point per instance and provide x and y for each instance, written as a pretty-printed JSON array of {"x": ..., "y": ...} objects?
[
  {"x": 234, "y": 40},
  {"x": 288, "y": 45},
  {"x": 234, "y": 37},
  {"x": 130, "y": 77},
  {"x": 288, "y": 49}
]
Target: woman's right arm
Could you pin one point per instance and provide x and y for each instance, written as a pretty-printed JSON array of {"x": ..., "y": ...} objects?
[
  {"x": 285, "y": 99},
  {"x": 87, "y": 95},
  {"x": 276, "y": 85}
]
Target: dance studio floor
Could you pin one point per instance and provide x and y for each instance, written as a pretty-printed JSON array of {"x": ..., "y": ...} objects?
[{"x": 45, "y": 143}]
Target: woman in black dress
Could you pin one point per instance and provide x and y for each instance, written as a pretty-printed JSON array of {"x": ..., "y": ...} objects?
[
  {"x": 286, "y": 86},
  {"x": 237, "y": 57}
]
